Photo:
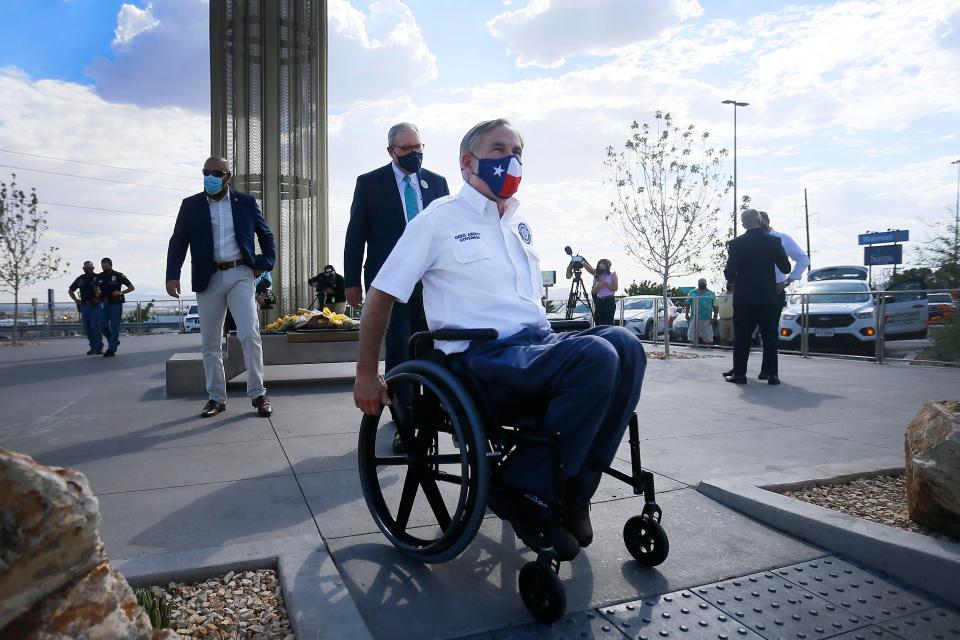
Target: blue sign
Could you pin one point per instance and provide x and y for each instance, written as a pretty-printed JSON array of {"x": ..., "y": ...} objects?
[
  {"x": 884, "y": 254},
  {"x": 883, "y": 237}
]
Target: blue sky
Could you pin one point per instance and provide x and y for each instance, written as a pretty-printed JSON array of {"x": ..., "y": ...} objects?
[{"x": 856, "y": 101}]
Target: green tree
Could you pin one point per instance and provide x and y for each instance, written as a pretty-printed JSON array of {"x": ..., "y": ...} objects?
[
  {"x": 139, "y": 313},
  {"x": 669, "y": 185},
  {"x": 649, "y": 288},
  {"x": 942, "y": 255},
  {"x": 22, "y": 226}
]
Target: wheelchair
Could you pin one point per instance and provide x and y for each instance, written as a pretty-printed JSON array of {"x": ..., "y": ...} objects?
[{"x": 455, "y": 453}]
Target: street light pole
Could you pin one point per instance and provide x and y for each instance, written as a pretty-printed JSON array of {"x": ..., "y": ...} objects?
[
  {"x": 956, "y": 218},
  {"x": 735, "y": 105}
]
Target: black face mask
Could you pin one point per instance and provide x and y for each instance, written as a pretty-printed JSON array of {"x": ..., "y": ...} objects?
[
  {"x": 88, "y": 269},
  {"x": 410, "y": 162}
]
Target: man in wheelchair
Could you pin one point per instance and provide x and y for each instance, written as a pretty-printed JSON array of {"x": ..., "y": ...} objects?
[{"x": 475, "y": 256}]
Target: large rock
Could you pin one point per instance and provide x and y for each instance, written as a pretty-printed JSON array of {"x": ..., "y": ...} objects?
[
  {"x": 49, "y": 531},
  {"x": 100, "y": 605},
  {"x": 932, "y": 446},
  {"x": 55, "y": 580}
]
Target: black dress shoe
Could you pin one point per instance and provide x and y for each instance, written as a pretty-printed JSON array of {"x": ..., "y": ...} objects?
[
  {"x": 212, "y": 408},
  {"x": 727, "y": 373},
  {"x": 763, "y": 375},
  {"x": 736, "y": 379},
  {"x": 109, "y": 353},
  {"x": 531, "y": 522},
  {"x": 577, "y": 522},
  {"x": 773, "y": 379},
  {"x": 398, "y": 447},
  {"x": 262, "y": 405}
]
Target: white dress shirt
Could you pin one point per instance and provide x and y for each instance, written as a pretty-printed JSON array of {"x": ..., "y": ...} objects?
[
  {"x": 402, "y": 186},
  {"x": 225, "y": 247},
  {"x": 478, "y": 270},
  {"x": 800, "y": 258}
]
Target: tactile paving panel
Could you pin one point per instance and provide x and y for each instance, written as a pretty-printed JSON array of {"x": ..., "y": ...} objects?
[
  {"x": 572, "y": 626},
  {"x": 864, "y": 593},
  {"x": 867, "y": 633},
  {"x": 777, "y": 608},
  {"x": 676, "y": 615},
  {"x": 934, "y": 624}
]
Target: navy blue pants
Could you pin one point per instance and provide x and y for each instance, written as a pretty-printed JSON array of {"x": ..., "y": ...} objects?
[
  {"x": 584, "y": 385},
  {"x": 110, "y": 324},
  {"x": 405, "y": 320},
  {"x": 90, "y": 315}
]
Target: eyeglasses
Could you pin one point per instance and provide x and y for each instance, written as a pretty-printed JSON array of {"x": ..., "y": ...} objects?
[
  {"x": 215, "y": 172},
  {"x": 407, "y": 148}
]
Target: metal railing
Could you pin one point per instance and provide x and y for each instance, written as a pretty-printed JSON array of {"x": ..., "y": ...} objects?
[
  {"x": 62, "y": 319},
  {"x": 879, "y": 326}
]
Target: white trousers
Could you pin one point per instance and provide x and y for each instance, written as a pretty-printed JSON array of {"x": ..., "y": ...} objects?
[
  {"x": 704, "y": 328},
  {"x": 233, "y": 289}
]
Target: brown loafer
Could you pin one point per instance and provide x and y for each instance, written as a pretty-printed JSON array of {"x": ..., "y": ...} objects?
[
  {"x": 212, "y": 408},
  {"x": 263, "y": 407}
]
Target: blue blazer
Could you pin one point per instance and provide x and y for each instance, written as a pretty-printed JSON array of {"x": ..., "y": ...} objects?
[
  {"x": 377, "y": 220},
  {"x": 750, "y": 267},
  {"x": 194, "y": 229}
]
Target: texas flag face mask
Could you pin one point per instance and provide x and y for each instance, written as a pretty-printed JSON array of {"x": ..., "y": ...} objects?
[{"x": 502, "y": 175}]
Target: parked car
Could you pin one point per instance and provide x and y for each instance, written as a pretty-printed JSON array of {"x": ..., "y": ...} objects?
[
  {"x": 638, "y": 315},
  {"x": 580, "y": 312},
  {"x": 191, "y": 321},
  {"x": 940, "y": 307},
  {"x": 844, "y": 311}
]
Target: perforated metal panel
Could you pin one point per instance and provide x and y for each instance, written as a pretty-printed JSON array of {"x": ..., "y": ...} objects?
[
  {"x": 777, "y": 608},
  {"x": 864, "y": 593},
  {"x": 268, "y": 82},
  {"x": 676, "y": 615},
  {"x": 940, "y": 623},
  {"x": 584, "y": 624}
]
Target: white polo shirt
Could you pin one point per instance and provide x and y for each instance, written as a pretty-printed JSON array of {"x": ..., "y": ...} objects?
[{"x": 478, "y": 270}]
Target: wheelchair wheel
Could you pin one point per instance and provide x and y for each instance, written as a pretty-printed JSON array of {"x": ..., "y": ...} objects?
[
  {"x": 430, "y": 500},
  {"x": 646, "y": 540},
  {"x": 542, "y": 592}
]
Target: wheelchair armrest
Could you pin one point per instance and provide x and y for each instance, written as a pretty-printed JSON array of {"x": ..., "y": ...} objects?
[
  {"x": 423, "y": 337},
  {"x": 560, "y": 326}
]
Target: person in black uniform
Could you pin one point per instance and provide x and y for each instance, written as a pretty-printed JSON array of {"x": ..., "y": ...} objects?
[
  {"x": 111, "y": 284},
  {"x": 750, "y": 266},
  {"x": 330, "y": 289},
  {"x": 88, "y": 304}
]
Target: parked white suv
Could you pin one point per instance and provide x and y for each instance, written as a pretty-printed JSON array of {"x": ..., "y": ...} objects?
[
  {"x": 844, "y": 311},
  {"x": 191, "y": 321},
  {"x": 638, "y": 315}
]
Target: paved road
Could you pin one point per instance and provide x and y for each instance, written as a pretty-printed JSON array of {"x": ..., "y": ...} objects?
[{"x": 169, "y": 481}]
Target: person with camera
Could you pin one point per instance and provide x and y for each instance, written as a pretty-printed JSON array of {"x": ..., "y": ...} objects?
[
  {"x": 330, "y": 289},
  {"x": 605, "y": 285},
  {"x": 587, "y": 384}
]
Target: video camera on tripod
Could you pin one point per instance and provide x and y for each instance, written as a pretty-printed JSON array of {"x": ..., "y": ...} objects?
[{"x": 578, "y": 291}]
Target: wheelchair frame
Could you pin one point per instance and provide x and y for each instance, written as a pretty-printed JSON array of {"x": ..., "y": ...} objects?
[{"x": 443, "y": 403}]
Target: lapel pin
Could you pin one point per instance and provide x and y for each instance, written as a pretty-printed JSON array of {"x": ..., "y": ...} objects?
[{"x": 423, "y": 183}]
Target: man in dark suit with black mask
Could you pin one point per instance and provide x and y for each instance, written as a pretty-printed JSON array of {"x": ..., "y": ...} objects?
[
  {"x": 750, "y": 266},
  {"x": 384, "y": 201}
]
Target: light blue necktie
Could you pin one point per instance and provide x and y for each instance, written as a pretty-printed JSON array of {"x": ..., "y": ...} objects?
[{"x": 410, "y": 199}]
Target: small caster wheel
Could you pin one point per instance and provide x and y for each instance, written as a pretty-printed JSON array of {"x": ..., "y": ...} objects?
[
  {"x": 646, "y": 540},
  {"x": 542, "y": 592}
]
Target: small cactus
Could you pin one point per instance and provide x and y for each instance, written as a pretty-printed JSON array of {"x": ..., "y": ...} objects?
[{"x": 155, "y": 606}]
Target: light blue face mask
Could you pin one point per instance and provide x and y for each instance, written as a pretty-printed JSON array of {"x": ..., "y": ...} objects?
[{"x": 212, "y": 184}]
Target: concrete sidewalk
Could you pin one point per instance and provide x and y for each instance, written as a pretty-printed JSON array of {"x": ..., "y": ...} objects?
[{"x": 169, "y": 481}]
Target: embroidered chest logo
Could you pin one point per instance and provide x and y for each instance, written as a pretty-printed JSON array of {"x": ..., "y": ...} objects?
[
  {"x": 524, "y": 231},
  {"x": 470, "y": 235}
]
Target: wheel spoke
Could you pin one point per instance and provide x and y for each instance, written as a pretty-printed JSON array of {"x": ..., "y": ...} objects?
[
  {"x": 446, "y": 458},
  {"x": 407, "y": 497},
  {"x": 449, "y": 477},
  {"x": 432, "y": 492},
  {"x": 391, "y": 461}
]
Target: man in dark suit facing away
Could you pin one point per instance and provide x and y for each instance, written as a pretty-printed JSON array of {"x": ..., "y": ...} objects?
[
  {"x": 219, "y": 225},
  {"x": 750, "y": 266},
  {"x": 384, "y": 201}
]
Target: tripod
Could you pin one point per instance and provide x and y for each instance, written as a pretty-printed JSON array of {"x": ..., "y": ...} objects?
[{"x": 578, "y": 293}]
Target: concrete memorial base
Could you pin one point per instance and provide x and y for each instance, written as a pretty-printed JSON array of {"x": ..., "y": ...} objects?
[{"x": 184, "y": 371}]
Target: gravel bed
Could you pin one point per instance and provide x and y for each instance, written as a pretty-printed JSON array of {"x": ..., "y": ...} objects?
[
  {"x": 246, "y": 605},
  {"x": 881, "y": 499}
]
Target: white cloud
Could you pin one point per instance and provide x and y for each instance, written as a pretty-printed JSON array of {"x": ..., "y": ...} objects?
[
  {"x": 165, "y": 64},
  {"x": 546, "y": 32},
  {"x": 378, "y": 55},
  {"x": 132, "y": 21}
]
